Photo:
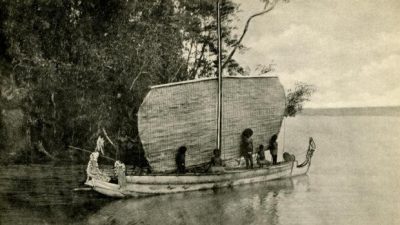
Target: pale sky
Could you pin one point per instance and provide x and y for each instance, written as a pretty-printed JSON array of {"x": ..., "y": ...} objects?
[{"x": 349, "y": 49}]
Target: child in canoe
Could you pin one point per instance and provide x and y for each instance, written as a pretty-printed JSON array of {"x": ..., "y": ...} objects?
[
  {"x": 261, "y": 161},
  {"x": 216, "y": 163}
]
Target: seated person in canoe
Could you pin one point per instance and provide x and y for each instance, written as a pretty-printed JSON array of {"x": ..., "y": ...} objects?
[
  {"x": 216, "y": 164},
  {"x": 261, "y": 161}
]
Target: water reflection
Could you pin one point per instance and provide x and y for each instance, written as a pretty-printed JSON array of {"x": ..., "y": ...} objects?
[
  {"x": 250, "y": 204},
  {"x": 43, "y": 195}
]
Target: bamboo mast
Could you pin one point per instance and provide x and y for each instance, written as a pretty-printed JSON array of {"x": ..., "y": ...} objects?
[{"x": 219, "y": 117}]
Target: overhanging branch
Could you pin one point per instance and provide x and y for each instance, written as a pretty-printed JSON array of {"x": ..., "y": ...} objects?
[{"x": 246, "y": 27}]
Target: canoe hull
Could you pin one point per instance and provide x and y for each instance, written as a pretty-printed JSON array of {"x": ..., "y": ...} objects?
[{"x": 138, "y": 186}]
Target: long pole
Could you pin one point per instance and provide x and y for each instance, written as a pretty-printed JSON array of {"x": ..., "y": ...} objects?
[
  {"x": 219, "y": 118},
  {"x": 84, "y": 150}
]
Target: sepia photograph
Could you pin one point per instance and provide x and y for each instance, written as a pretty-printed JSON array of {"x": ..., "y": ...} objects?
[{"x": 192, "y": 112}]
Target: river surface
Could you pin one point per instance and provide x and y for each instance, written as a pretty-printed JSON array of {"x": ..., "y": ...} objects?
[{"x": 354, "y": 179}]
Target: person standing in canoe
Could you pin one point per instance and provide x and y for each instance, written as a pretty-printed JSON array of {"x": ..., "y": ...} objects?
[
  {"x": 247, "y": 147},
  {"x": 273, "y": 148},
  {"x": 93, "y": 171}
]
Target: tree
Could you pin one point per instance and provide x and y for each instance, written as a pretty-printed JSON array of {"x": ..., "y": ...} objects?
[
  {"x": 198, "y": 19},
  {"x": 297, "y": 97},
  {"x": 269, "y": 5},
  {"x": 77, "y": 61}
]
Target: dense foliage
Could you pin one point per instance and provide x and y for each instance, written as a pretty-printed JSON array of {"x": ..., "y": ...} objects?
[{"x": 79, "y": 66}]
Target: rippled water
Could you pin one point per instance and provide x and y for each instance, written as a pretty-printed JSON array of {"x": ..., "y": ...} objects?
[{"x": 354, "y": 179}]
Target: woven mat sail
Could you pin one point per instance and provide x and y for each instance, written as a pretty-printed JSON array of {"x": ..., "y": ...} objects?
[{"x": 185, "y": 113}]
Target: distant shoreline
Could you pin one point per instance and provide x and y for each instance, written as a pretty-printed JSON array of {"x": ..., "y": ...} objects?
[{"x": 353, "y": 111}]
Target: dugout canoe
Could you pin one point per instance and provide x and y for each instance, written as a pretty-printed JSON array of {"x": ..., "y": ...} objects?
[{"x": 138, "y": 186}]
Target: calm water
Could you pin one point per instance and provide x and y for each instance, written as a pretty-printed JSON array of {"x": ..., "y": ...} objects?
[{"x": 354, "y": 179}]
